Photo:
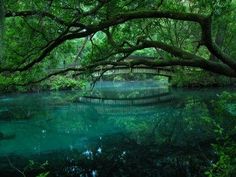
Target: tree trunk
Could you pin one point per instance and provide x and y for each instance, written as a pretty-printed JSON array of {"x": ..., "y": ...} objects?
[
  {"x": 1, "y": 28},
  {"x": 220, "y": 36}
]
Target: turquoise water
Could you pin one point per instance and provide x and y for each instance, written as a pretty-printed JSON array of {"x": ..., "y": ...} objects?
[{"x": 165, "y": 136}]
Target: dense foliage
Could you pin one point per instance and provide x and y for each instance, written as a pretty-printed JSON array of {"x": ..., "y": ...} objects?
[{"x": 46, "y": 38}]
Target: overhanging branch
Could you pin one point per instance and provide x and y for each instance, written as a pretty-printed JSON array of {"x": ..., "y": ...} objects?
[
  {"x": 206, "y": 65},
  {"x": 28, "y": 13},
  {"x": 208, "y": 41},
  {"x": 120, "y": 18}
]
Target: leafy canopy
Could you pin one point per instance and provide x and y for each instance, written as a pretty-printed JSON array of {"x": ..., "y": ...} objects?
[{"x": 46, "y": 38}]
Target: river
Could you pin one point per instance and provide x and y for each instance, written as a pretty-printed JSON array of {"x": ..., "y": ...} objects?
[{"x": 63, "y": 134}]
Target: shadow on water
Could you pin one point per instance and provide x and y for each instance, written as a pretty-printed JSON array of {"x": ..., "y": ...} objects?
[{"x": 60, "y": 134}]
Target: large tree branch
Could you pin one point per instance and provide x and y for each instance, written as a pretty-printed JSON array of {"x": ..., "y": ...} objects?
[
  {"x": 53, "y": 17},
  {"x": 204, "y": 21},
  {"x": 124, "y": 17},
  {"x": 106, "y": 65},
  {"x": 185, "y": 56},
  {"x": 46, "y": 51},
  {"x": 28, "y": 13},
  {"x": 142, "y": 14},
  {"x": 187, "y": 59},
  {"x": 208, "y": 41}
]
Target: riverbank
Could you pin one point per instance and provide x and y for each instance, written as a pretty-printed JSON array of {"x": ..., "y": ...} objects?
[{"x": 182, "y": 79}]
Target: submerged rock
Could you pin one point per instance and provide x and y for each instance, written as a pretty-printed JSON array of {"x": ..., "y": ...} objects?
[
  {"x": 16, "y": 114},
  {"x": 5, "y": 115},
  {"x": 6, "y": 136}
]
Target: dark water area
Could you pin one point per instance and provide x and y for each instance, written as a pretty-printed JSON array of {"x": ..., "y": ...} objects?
[{"x": 65, "y": 135}]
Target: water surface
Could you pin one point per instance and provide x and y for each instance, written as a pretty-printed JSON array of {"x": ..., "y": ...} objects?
[{"x": 166, "y": 136}]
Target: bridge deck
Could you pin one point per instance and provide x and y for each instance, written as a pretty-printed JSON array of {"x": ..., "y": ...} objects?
[
  {"x": 126, "y": 70},
  {"x": 109, "y": 70}
]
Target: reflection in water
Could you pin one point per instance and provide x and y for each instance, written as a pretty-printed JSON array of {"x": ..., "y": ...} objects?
[{"x": 168, "y": 138}]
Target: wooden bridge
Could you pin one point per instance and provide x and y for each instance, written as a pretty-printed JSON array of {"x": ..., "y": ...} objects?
[
  {"x": 100, "y": 71},
  {"x": 167, "y": 72},
  {"x": 139, "y": 69}
]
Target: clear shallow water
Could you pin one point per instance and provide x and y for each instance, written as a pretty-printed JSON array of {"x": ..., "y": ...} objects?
[{"x": 167, "y": 137}]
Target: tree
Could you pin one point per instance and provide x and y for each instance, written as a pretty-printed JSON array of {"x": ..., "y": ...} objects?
[
  {"x": 1, "y": 26},
  {"x": 40, "y": 35}
]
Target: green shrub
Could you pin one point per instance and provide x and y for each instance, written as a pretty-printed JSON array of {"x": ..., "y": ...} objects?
[
  {"x": 64, "y": 83},
  {"x": 198, "y": 78},
  {"x": 225, "y": 148}
]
